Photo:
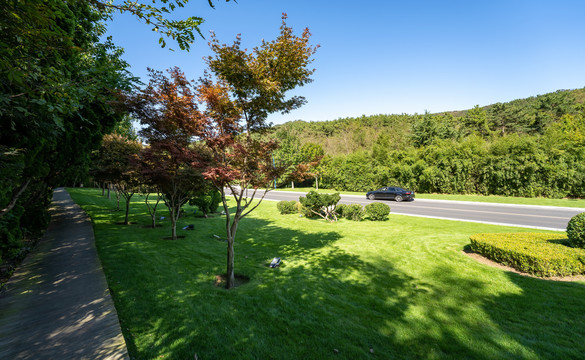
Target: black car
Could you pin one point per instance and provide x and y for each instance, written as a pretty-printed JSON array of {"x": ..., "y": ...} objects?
[{"x": 391, "y": 193}]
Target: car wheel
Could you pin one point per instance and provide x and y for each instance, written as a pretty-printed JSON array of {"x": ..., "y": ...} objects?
[
  {"x": 372, "y": 197},
  {"x": 398, "y": 198}
]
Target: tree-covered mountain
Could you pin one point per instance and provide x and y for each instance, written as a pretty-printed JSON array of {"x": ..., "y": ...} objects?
[
  {"x": 526, "y": 147},
  {"x": 522, "y": 116}
]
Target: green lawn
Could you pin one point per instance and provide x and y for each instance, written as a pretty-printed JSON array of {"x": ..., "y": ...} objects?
[
  {"x": 402, "y": 287},
  {"x": 579, "y": 203}
]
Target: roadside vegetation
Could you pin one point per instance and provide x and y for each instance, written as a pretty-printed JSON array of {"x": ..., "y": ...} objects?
[
  {"x": 538, "y": 201},
  {"x": 526, "y": 148},
  {"x": 400, "y": 288}
]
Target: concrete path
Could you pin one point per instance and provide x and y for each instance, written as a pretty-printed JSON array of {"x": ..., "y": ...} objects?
[{"x": 57, "y": 304}]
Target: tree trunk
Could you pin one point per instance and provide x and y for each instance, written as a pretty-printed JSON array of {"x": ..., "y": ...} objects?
[
  {"x": 152, "y": 209},
  {"x": 103, "y": 189},
  {"x": 127, "y": 208},
  {"x": 108, "y": 191},
  {"x": 292, "y": 184},
  {"x": 174, "y": 230},
  {"x": 316, "y": 183},
  {"x": 15, "y": 196},
  {"x": 117, "y": 199},
  {"x": 230, "y": 278},
  {"x": 173, "y": 224}
]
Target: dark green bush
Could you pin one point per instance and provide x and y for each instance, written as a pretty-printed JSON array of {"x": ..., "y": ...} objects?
[
  {"x": 354, "y": 212},
  {"x": 377, "y": 211},
  {"x": 206, "y": 202},
  {"x": 534, "y": 253},
  {"x": 340, "y": 209},
  {"x": 11, "y": 233},
  {"x": 576, "y": 230},
  {"x": 287, "y": 207},
  {"x": 320, "y": 204}
]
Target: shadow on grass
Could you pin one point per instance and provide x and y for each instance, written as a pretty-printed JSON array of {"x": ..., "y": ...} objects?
[
  {"x": 322, "y": 299},
  {"x": 468, "y": 318}
]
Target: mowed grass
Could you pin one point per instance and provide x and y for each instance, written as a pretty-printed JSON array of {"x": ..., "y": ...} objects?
[
  {"x": 402, "y": 288},
  {"x": 576, "y": 203}
]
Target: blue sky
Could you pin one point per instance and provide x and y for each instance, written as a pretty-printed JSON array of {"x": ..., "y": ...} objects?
[{"x": 393, "y": 57}]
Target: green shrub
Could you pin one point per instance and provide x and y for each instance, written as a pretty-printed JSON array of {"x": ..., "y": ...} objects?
[
  {"x": 533, "y": 253},
  {"x": 354, "y": 212},
  {"x": 576, "y": 230},
  {"x": 377, "y": 211},
  {"x": 299, "y": 207},
  {"x": 340, "y": 209},
  {"x": 287, "y": 207},
  {"x": 11, "y": 233},
  {"x": 206, "y": 202},
  {"x": 320, "y": 204}
]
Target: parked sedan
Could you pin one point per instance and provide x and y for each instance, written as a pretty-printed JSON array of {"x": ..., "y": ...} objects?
[{"x": 391, "y": 193}]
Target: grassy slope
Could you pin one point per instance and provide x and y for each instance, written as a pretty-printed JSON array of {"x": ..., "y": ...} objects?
[
  {"x": 402, "y": 286},
  {"x": 578, "y": 203}
]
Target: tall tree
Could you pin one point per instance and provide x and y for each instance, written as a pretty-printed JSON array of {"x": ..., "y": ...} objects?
[
  {"x": 477, "y": 120},
  {"x": 249, "y": 86},
  {"x": 167, "y": 109},
  {"x": 58, "y": 87}
]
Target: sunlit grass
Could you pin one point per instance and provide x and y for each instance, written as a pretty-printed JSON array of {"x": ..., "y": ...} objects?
[
  {"x": 403, "y": 288},
  {"x": 578, "y": 203}
]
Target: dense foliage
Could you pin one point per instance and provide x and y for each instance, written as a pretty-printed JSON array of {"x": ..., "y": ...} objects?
[
  {"x": 287, "y": 207},
  {"x": 354, "y": 212},
  {"x": 377, "y": 211},
  {"x": 58, "y": 97},
  {"x": 206, "y": 201},
  {"x": 576, "y": 230},
  {"x": 533, "y": 253},
  {"x": 528, "y": 147}
]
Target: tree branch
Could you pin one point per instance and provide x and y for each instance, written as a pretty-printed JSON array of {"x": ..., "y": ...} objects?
[{"x": 15, "y": 197}]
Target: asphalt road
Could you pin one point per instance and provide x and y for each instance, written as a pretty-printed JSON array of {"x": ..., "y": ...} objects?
[{"x": 537, "y": 217}]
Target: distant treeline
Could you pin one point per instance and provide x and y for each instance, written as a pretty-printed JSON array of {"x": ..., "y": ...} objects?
[{"x": 527, "y": 147}]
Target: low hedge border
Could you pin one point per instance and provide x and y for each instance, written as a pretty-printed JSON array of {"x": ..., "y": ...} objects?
[{"x": 538, "y": 254}]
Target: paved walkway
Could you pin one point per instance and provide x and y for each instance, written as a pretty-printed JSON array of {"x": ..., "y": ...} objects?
[{"x": 57, "y": 304}]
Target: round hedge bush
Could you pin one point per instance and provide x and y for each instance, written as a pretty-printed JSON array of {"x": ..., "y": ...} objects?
[
  {"x": 354, "y": 212},
  {"x": 377, "y": 211},
  {"x": 576, "y": 230},
  {"x": 287, "y": 207}
]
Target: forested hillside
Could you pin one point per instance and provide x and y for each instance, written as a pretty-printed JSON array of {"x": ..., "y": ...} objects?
[{"x": 526, "y": 147}]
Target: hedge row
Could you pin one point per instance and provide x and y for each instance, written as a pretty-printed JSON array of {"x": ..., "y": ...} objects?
[
  {"x": 374, "y": 211},
  {"x": 534, "y": 253}
]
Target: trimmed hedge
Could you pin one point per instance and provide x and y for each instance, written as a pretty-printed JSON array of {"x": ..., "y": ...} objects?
[
  {"x": 576, "y": 230},
  {"x": 377, "y": 211},
  {"x": 287, "y": 207},
  {"x": 534, "y": 253}
]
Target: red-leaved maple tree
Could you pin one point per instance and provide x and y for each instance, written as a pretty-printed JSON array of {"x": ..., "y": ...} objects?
[
  {"x": 241, "y": 90},
  {"x": 167, "y": 108}
]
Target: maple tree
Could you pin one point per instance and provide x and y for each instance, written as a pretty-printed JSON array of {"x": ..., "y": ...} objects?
[
  {"x": 245, "y": 88},
  {"x": 115, "y": 163},
  {"x": 167, "y": 109}
]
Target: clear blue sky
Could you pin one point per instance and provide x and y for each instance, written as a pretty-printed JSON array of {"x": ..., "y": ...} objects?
[{"x": 387, "y": 57}]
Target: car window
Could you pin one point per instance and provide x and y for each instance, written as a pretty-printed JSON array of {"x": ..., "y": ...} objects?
[{"x": 391, "y": 189}]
